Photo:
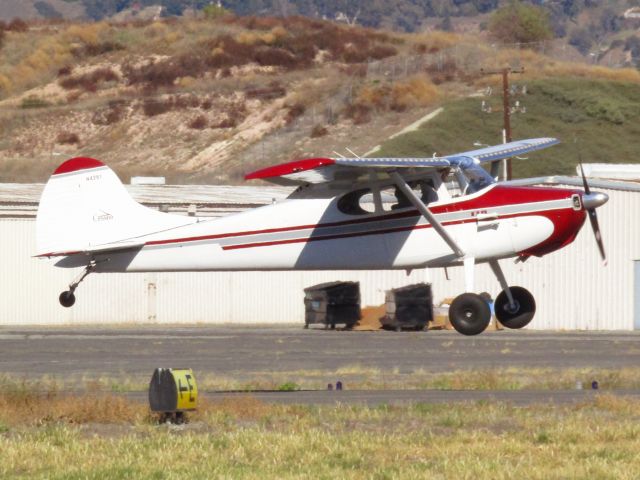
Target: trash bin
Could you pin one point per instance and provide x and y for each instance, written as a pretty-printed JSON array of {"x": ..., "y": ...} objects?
[
  {"x": 408, "y": 308},
  {"x": 332, "y": 303}
]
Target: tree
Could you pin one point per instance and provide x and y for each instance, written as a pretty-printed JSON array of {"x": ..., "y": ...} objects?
[
  {"x": 518, "y": 22},
  {"x": 582, "y": 39}
]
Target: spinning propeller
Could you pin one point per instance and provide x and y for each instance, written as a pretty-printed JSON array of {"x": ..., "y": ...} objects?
[{"x": 591, "y": 201}]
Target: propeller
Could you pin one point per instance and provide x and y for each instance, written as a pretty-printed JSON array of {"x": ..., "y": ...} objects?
[{"x": 591, "y": 201}]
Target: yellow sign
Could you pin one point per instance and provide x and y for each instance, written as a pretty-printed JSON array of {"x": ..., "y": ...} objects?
[{"x": 186, "y": 388}]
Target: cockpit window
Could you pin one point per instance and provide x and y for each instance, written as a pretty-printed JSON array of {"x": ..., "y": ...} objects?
[
  {"x": 351, "y": 202},
  {"x": 437, "y": 186},
  {"x": 363, "y": 201}
]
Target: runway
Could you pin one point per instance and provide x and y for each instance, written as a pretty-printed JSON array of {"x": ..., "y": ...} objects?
[{"x": 250, "y": 351}]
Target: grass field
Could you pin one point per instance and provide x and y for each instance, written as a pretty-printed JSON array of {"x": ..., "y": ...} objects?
[
  {"x": 602, "y": 116},
  {"x": 356, "y": 377},
  {"x": 47, "y": 433},
  {"x": 248, "y": 439}
]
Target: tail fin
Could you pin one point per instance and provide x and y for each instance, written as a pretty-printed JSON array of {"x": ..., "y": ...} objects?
[{"x": 84, "y": 207}]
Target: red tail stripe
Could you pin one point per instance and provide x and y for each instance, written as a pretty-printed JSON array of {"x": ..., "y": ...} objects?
[{"x": 78, "y": 163}]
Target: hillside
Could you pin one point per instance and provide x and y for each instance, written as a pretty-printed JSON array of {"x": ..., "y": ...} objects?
[
  {"x": 206, "y": 100},
  {"x": 596, "y": 120}
]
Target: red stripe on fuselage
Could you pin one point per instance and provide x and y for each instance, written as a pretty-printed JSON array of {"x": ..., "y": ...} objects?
[{"x": 496, "y": 197}]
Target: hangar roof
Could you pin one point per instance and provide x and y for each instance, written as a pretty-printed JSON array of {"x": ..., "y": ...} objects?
[{"x": 20, "y": 200}]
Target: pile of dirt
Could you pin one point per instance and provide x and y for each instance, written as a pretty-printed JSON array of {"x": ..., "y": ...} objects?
[{"x": 370, "y": 318}]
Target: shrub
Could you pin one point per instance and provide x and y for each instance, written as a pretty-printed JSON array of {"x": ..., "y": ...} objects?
[
  {"x": 17, "y": 25},
  {"x": 294, "y": 112},
  {"x": 95, "y": 49},
  {"x": 153, "y": 106},
  {"x": 206, "y": 104},
  {"x": 273, "y": 91},
  {"x": 518, "y": 22},
  {"x": 319, "y": 131},
  {"x": 414, "y": 92},
  {"x": 226, "y": 123},
  {"x": 277, "y": 57},
  {"x": 359, "y": 113},
  {"x": 185, "y": 101},
  {"x": 89, "y": 81},
  {"x": 34, "y": 102},
  {"x": 198, "y": 123},
  {"x": 64, "y": 71},
  {"x": 67, "y": 138},
  {"x": 110, "y": 115}
]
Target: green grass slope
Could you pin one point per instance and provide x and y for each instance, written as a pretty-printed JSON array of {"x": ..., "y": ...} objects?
[{"x": 603, "y": 118}]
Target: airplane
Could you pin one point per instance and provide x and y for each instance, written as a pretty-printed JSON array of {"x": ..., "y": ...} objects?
[{"x": 345, "y": 214}]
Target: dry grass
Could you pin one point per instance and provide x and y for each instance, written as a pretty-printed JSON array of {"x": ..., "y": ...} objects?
[
  {"x": 34, "y": 404},
  {"x": 248, "y": 439}
]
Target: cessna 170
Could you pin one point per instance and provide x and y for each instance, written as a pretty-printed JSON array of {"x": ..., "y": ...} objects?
[{"x": 347, "y": 213}]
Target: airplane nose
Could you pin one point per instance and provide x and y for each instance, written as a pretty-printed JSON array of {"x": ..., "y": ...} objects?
[{"x": 594, "y": 200}]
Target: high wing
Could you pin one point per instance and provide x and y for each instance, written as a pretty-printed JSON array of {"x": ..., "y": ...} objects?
[{"x": 349, "y": 171}]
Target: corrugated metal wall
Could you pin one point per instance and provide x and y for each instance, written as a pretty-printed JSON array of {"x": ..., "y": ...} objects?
[{"x": 572, "y": 289}]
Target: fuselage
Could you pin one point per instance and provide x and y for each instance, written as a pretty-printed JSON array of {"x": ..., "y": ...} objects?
[{"x": 314, "y": 234}]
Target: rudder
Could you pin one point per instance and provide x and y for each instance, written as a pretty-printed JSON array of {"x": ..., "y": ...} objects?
[{"x": 84, "y": 206}]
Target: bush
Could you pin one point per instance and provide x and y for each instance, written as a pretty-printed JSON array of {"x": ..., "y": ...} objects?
[
  {"x": 153, "y": 106},
  {"x": 273, "y": 91},
  {"x": 67, "y": 138},
  {"x": 198, "y": 123},
  {"x": 359, "y": 113},
  {"x": 95, "y": 49},
  {"x": 319, "y": 131},
  {"x": 294, "y": 112},
  {"x": 89, "y": 81},
  {"x": 277, "y": 57},
  {"x": 17, "y": 25},
  {"x": 112, "y": 114},
  {"x": 34, "y": 102},
  {"x": 64, "y": 71},
  {"x": 226, "y": 123},
  {"x": 518, "y": 22}
]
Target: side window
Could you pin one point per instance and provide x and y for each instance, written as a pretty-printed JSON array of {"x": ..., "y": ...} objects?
[{"x": 352, "y": 202}]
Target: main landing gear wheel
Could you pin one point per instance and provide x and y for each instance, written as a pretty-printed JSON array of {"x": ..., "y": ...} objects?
[
  {"x": 67, "y": 298},
  {"x": 469, "y": 314},
  {"x": 518, "y": 315}
]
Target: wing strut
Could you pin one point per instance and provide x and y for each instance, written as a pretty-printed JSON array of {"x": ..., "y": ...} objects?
[{"x": 426, "y": 213}]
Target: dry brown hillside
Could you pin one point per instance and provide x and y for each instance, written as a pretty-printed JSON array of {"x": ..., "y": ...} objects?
[{"x": 208, "y": 100}]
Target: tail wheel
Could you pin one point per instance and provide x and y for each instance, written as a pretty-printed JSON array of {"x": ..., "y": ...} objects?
[
  {"x": 469, "y": 314},
  {"x": 67, "y": 299},
  {"x": 518, "y": 315}
]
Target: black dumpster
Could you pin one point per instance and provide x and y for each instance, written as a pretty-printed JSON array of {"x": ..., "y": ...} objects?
[
  {"x": 409, "y": 307},
  {"x": 332, "y": 303}
]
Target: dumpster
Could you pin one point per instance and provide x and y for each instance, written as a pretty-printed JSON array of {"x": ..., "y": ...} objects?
[
  {"x": 408, "y": 308},
  {"x": 332, "y": 303}
]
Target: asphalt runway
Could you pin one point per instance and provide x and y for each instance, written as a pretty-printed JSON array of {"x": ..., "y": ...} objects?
[{"x": 246, "y": 351}]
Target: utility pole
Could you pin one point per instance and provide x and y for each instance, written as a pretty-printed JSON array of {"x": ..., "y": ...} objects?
[{"x": 506, "y": 110}]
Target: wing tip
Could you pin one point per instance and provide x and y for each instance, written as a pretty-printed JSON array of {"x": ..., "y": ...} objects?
[{"x": 289, "y": 168}]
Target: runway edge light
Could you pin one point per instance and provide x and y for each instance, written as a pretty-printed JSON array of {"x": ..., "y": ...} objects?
[{"x": 172, "y": 392}]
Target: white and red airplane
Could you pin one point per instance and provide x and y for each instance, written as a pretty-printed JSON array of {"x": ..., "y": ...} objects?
[{"x": 347, "y": 213}]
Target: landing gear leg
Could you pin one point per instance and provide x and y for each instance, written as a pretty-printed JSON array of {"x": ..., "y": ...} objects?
[
  {"x": 67, "y": 298},
  {"x": 514, "y": 306}
]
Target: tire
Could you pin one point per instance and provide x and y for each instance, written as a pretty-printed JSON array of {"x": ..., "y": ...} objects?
[
  {"x": 524, "y": 312},
  {"x": 67, "y": 299},
  {"x": 469, "y": 314}
]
